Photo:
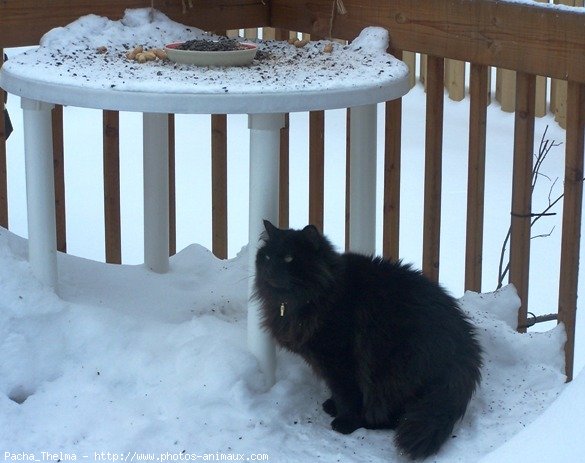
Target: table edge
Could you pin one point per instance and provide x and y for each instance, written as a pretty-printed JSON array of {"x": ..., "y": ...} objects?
[{"x": 202, "y": 103}]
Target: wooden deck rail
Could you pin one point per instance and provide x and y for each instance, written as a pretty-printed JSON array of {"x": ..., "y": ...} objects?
[
  {"x": 531, "y": 40},
  {"x": 483, "y": 33}
]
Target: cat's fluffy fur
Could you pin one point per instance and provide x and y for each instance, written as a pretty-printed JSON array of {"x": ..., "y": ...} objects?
[{"x": 393, "y": 347}]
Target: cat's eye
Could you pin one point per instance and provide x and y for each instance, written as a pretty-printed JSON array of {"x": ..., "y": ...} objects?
[{"x": 288, "y": 258}]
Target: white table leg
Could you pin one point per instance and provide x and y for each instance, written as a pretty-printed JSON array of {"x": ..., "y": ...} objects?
[
  {"x": 264, "y": 163},
  {"x": 156, "y": 191},
  {"x": 40, "y": 190},
  {"x": 362, "y": 182}
]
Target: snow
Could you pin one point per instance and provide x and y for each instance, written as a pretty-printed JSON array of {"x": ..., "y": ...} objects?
[
  {"x": 555, "y": 435},
  {"x": 130, "y": 361},
  {"x": 127, "y": 361},
  {"x": 554, "y": 6}
]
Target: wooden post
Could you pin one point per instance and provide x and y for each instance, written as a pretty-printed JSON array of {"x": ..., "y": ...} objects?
[
  {"x": 572, "y": 205},
  {"x": 478, "y": 92},
  {"x": 316, "y": 167},
  {"x": 3, "y": 166},
  {"x": 59, "y": 173},
  {"x": 433, "y": 167},
  {"x": 111, "y": 147},
  {"x": 219, "y": 184},
  {"x": 522, "y": 191}
]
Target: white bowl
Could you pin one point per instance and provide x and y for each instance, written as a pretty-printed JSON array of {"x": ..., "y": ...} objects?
[{"x": 241, "y": 57}]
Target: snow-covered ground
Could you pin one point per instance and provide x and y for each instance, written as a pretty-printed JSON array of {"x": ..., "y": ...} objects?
[{"x": 128, "y": 361}]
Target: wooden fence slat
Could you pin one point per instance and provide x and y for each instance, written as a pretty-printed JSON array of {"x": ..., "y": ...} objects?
[
  {"x": 284, "y": 167},
  {"x": 219, "y": 208},
  {"x": 506, "y": 89},
  {"x": 478, "y": 93},
  {"x": 283, "y": 181},
  {"x": 522, "y": 190},
  {"x": 392, "y": 158},
  {"x": 455, "y": 79},
  {"x": 251, "y": 33},
  {"x": 316, "y": 167},
  {"x": 541, "y": 96},
  {"x": 423, "y": 70},
  {"x": 559, "y": 101},
  {"x": 347, "y": 173},
  {"x": 541, "y": 89},
  {"x": 111, "y": 147},
  {"x": 433, "y": 167},
  {"x": 219, "y": 185},
  {"x": 410, "y": 59},
  {"x": 59, "y": 173},
  {"x": 3, "y": 166},
  {"x": 268, "y": 33},
  {"x": 172, "y": 189},
  {"x": 572, "y": 206}
]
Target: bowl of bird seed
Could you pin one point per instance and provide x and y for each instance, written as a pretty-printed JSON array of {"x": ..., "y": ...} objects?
[{"x": 222, "y": 51}]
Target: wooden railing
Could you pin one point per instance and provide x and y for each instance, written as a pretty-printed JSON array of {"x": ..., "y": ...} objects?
[
  {"x": 531, "y": 40},
  {"x": 513, "y": 36}
]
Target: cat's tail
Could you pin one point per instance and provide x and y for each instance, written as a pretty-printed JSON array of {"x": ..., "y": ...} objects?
[{"x": 428, "y": 422}]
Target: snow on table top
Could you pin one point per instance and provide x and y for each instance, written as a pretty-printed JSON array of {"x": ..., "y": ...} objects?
[{"x": 68, "y": 59}]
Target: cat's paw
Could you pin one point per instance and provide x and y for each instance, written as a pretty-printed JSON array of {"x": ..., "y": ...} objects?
[
  {"x": 329, "y": 407},
  {"x": 345, "y": 424}
]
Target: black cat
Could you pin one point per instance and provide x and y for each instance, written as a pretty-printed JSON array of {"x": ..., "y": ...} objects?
[{"x": 393, "y": 347}]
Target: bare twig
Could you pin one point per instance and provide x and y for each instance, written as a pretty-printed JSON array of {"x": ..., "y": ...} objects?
[
  {"x": 502, "y": 272},
  {"x": 543, "y": 235},
  {"x": 543, "y": 151},
  {"x": 538, "y": 319}
]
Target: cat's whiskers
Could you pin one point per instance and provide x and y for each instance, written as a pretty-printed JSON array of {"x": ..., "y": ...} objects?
[{"x": 248, "y": 277}]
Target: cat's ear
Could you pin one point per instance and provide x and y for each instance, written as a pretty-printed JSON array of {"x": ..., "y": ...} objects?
[
  {"x": 271, "y": 230},
  {"x": 313, "y": 235}
]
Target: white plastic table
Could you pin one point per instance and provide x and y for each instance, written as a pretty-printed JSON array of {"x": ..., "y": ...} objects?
[{"x": 287, "y": 80}]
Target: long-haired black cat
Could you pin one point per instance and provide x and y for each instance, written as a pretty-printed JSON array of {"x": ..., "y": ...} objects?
[{"x": 393, "y": 347}]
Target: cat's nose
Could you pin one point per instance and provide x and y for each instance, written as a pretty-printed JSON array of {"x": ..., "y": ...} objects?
[{"x": 276, "y": 282}]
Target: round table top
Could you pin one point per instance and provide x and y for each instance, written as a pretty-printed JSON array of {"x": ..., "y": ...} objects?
[{"x": 84, "y": 64}]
